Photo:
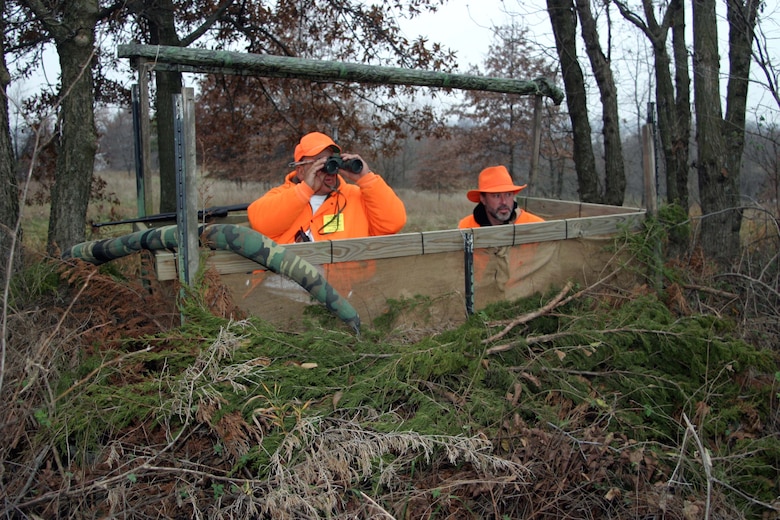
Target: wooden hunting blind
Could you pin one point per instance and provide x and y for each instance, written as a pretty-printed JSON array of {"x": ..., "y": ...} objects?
[{"x": 457, "y": 271}]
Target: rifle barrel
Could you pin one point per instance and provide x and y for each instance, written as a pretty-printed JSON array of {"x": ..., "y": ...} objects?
[{"x": 204, "y": 214}]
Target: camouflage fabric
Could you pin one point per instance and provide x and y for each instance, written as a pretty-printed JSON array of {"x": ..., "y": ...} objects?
[
  {"x": 239, "y": 239},
  {"x": 264, "y": 251},
  {"x": 101, "y": 251}
]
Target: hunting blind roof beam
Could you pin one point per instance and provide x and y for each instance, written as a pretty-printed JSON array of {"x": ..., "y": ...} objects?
[{"x": 183, "y": 59}]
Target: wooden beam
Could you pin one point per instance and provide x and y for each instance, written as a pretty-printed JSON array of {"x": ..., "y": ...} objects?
[
  {"x": 411, "y": 245},
  {"x": 184, "y": 59}
]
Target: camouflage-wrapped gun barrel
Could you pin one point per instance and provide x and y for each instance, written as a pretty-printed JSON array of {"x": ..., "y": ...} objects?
[{"x": 241, "y": 240}]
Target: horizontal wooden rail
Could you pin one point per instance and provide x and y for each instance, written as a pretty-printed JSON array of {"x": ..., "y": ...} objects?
[
  {"x": 185, "y": 59},
  {"x": 610, "y": 221}
]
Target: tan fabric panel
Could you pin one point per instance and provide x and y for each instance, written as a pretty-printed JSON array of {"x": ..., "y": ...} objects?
[{"x": 501, "y": 274}]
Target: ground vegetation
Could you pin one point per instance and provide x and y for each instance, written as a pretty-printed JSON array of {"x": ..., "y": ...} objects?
[{"x": 655, "y": 399}]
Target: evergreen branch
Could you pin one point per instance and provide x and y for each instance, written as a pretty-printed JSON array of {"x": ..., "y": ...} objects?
[{"x": 547, "y": 338}]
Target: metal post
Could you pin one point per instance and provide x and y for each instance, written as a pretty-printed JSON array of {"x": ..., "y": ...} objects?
[
  {"x": 139, "y": 156},
  {"x": 648, "y": 167},
  {"x": 468, "y": 267},
  {"x": 181, "y": 190},
  {"x": 186, "y": 184},
  {"x": 145, "y": 139}
]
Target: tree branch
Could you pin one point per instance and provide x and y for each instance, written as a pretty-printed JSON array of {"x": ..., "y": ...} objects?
[
  {"x": 525, "y": 318},
  {"x": 207, "y": 24}
]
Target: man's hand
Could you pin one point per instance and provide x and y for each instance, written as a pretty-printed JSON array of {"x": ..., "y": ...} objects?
[
  {"x": 312, "y": 174},
  {"x": 351, "y": 175}
]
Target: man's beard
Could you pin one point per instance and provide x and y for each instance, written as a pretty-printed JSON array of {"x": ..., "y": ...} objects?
[{"x": 502, "y": 214}]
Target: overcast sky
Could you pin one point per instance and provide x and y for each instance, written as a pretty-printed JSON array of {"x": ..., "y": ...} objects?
[{"x": 466, "y": 27}]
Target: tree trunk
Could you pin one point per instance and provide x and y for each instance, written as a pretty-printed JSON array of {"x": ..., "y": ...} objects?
[
  {"x": 77, "y": 137},
  {"x": 614, "y": 169},
  {"x": 721, "y": 142},
  {"x": 717, "y": 186},
  {"x": 665, "y": 109},
  {"x": 679, "y": 158},
  {"x": 673, "y": 116},
  {"x": 672, "y": 98},
  {"x": 162, "y": 31},
  {"x": 9, "y": 198},
  {"x": 741, "y": 17},
  {"x": 168, "y": 83},
  {"x": 563, "y": 20}
]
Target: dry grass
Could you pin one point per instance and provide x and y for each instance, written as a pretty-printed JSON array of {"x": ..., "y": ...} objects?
[{"x": 425, "y": 210}]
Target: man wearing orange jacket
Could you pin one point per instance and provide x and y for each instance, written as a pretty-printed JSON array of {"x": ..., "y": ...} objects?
[
  {"x": 495, "y": 198},
  {"x": 496, "y": 270},
  {"x": 315, "y": 203}
]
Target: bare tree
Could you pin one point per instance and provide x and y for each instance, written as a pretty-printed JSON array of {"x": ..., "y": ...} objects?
[
  {"x": 672, "y": 96},
  {"x": 614, "y": 170},
  {"x": 563, "y": 19},
  {"x": 499, "y": 128},
  {"x": 116, "y": 131},
  {"x": 71, "y": 25},
  {"x": 764, "y": 153},
  {"x": 767, "y": 63},
  {"x": 721, "y": 140}
]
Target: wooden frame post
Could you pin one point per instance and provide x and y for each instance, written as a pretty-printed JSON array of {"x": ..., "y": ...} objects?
[
  {"x": 143, "y": 142},
  {"x": 537, "y": 144}
]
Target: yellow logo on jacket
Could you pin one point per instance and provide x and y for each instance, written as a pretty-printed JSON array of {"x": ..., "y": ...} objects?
[{"x": 333, "y": 223}]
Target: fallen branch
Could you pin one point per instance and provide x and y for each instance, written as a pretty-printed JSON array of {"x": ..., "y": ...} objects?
[
  {"x": 766, "y": 286},
  {"x": 706, "y": 462},
  {"x": 525, "y": 318},
  {"x": 711, "y": 290},
  {"x": 373, "y": 503},
  {"x": 556, "y": 302},
  {"x": 529, "y": 341},
  {"x": 94, "y": 372}
]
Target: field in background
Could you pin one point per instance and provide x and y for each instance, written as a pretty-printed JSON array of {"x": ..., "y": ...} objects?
[{"x": 426, "y": 211}]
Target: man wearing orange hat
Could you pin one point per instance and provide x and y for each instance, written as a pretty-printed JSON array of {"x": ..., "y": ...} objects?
[
  {"x": 495, "y": 198},
  {"x": 315, "y": 203}
]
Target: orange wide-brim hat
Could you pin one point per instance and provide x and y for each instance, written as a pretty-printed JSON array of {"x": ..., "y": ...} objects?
[
  {"x": 312, "y": 144},
  {"x": 495, "y": 179}
]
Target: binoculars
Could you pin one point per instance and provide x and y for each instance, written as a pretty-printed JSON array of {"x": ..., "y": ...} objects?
[{"x": 335, "y": 162}]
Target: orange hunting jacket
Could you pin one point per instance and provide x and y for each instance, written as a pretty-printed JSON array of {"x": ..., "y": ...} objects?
[
  {"x": 493, "y": 266},
  {"x": 368, "y": 208}
]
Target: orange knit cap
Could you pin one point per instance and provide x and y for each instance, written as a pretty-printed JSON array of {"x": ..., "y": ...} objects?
[
  {"x": 495, "y": 179},
  {"x": 313, "y": 143}
]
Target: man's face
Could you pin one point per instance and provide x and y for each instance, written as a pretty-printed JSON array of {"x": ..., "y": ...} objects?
[
  {"x": 324, "y": 183},
  {"x": 498, "y": 206}
]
